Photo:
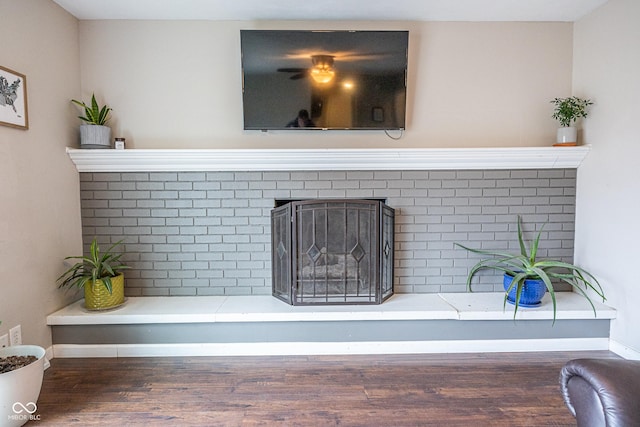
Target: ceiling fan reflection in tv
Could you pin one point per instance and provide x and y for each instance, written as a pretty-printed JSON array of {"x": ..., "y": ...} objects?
[{"x": 321, "y": 71}]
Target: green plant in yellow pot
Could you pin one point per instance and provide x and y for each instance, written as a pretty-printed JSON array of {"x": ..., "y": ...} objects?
[{"x": 100, "y": 275}]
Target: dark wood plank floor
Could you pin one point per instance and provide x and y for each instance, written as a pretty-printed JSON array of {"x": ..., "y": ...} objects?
[{"x": 499, "y": 389}]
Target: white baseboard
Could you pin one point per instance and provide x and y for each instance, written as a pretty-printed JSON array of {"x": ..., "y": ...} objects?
[
  {"x": 328, "y": 348},
  {"x": 623, "y": 351}
]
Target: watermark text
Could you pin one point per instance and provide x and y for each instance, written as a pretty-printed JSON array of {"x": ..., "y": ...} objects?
[{"x": 24, "y": 412}]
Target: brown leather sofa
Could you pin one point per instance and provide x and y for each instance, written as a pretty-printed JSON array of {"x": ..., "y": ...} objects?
[{"x": 602, "y": 392}]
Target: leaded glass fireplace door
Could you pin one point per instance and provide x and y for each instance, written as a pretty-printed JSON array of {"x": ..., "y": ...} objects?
[{"x": 333, "y": 251}]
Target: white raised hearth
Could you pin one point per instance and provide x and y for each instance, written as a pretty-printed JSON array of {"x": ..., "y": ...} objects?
[
  {"x": 144, "y": 160},
  {"x": 411, "y": 323}
]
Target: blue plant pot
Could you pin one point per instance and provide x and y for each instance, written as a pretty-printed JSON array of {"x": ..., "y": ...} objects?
[{"x": 532, "y": 292}]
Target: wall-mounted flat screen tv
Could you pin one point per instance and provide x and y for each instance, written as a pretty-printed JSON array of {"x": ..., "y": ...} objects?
[{"x": 324, "y": 79}]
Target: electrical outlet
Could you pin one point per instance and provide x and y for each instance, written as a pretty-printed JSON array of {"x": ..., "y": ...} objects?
[
  {"x": 15, "y": 335},
  {"x": 4, "y": 341}
]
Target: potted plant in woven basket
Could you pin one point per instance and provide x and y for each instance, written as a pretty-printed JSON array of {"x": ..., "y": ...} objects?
[
  {"x": 21, "y": 373},
  {"x": 526, "y": 278},
  {"x": 100, "y": 275},
  {"x": 94, "y": 133}
]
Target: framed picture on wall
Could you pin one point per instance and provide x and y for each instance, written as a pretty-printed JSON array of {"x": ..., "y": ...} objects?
[{"x": 13, "y": 99}]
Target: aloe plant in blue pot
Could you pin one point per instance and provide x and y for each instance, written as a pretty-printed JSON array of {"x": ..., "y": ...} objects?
[{"x": 527, "y": 278}]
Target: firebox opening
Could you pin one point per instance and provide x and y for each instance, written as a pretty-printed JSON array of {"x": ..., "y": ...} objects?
[{"x": 332, "y": 251}]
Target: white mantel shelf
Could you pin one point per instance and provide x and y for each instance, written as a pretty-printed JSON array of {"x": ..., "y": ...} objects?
[{"x": 149, "y": 160}]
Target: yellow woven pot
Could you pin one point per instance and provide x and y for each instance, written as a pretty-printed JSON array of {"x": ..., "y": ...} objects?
[{"x": 97, "y": 297}]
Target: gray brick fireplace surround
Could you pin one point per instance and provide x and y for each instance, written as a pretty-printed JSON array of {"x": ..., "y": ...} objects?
[{"x": 208, "y": 233}]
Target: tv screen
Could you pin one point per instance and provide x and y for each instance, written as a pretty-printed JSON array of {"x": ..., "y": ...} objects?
[{"x": 324, "y": 79}]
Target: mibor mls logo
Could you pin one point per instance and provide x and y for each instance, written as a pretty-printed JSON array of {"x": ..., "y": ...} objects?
[
  {"x": 24, "y": 411},
  {"x": 29, "y": 408}
]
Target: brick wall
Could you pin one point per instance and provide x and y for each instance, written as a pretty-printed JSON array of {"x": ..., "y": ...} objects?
[{"x": 208, "y": 233}]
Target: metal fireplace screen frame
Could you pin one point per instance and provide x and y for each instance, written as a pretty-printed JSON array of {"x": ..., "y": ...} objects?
[{"x": 332, "y": 251}]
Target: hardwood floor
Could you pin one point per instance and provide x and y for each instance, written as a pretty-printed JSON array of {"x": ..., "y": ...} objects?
[{"x": 497, "y": 389}]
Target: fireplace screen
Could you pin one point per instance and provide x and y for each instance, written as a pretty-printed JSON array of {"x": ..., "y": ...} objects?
[{"x": 334, "y": 251}]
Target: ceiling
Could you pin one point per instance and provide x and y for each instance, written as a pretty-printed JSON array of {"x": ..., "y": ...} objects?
[{"x": 370, "y": 10}]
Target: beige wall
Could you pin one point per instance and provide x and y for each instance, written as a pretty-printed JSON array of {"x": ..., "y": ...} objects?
[
  {"x": 40, "y": 215},
  {"x": 607, "y": 60},
  {"x": 178, "y": 84}
]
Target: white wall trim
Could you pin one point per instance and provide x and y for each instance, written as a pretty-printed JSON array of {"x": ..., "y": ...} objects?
[
  {"x": 623, "y": 351},
  {"x": 146, "y": 160},
  {"x": 328, "y": 348}
]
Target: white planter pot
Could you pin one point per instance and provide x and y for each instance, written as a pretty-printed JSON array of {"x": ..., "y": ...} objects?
[
  {"x": 567, "y": 135},
  {"x": 19, "y": 389},
  {"x": 95, "y": 136}
]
